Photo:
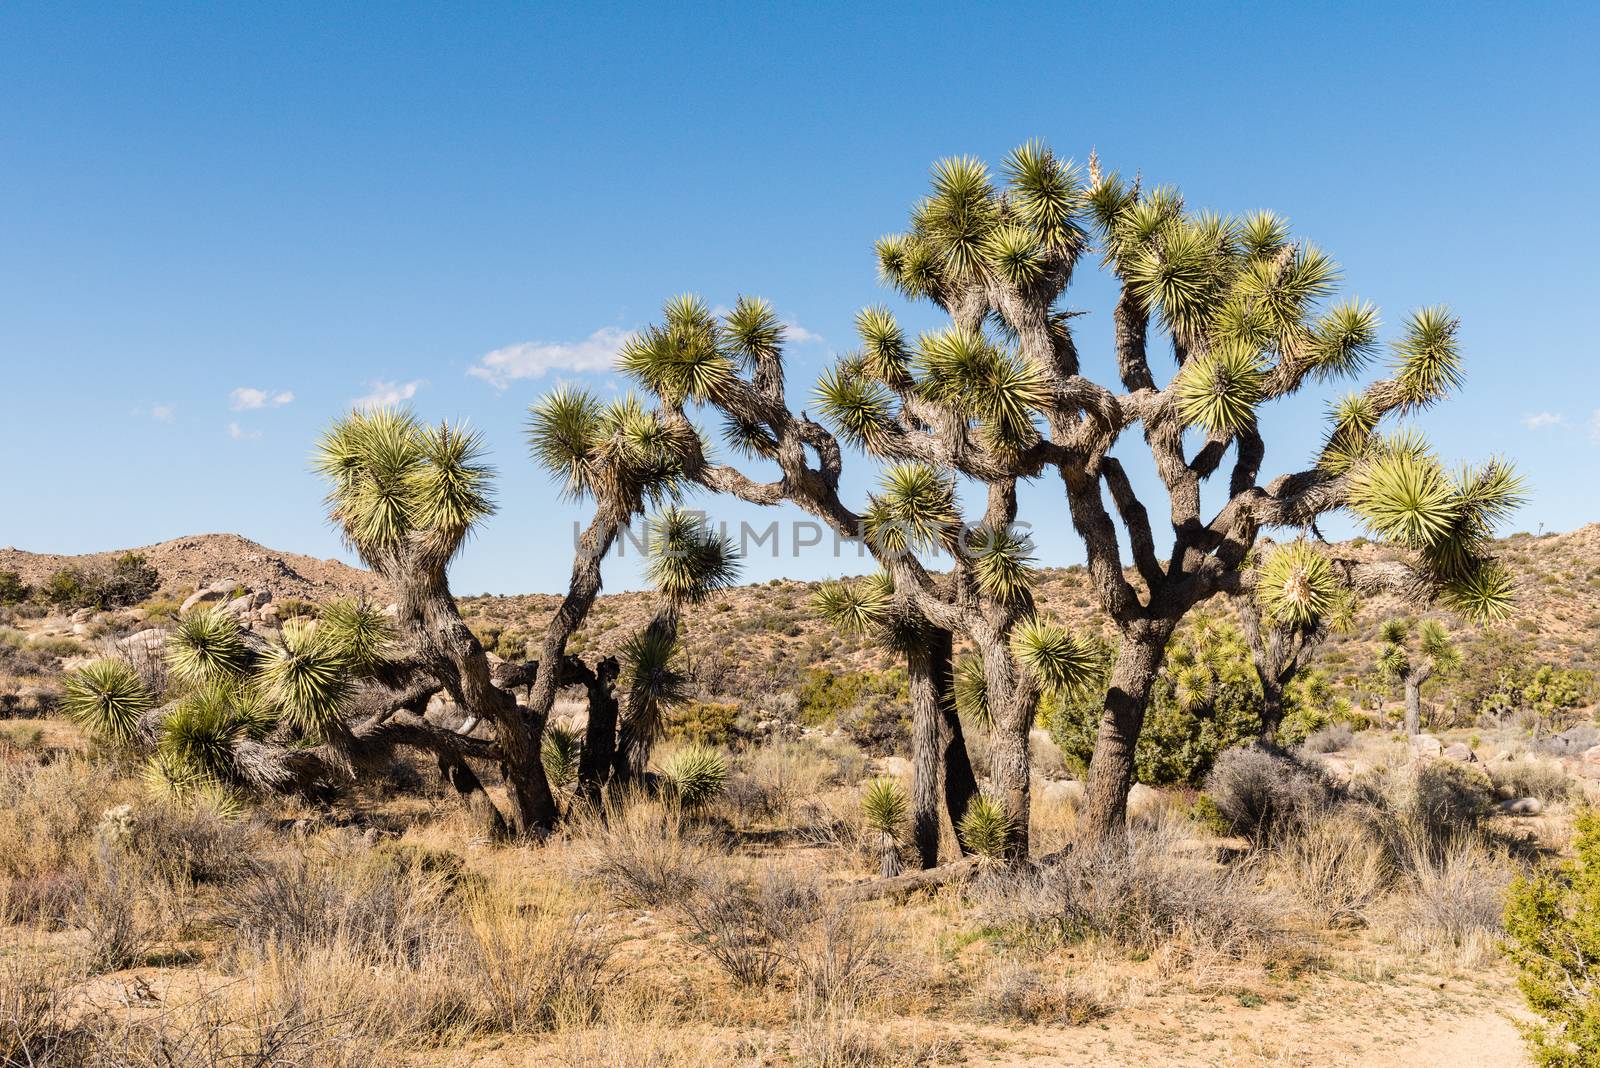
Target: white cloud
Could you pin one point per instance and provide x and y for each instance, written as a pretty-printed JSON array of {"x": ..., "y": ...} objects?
[
  {"x": 163, "y": 413},
  {"x": 796, "y": 332},
  {"x": 246, "y": 398},
  {"x": 387, "y": 394},
  {"x": 534, "y": 359},
  {"x": 238, "y": 433},
  {"x": 1542, "y": 420}
]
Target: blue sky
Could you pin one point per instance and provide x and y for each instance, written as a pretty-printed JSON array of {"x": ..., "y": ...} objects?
[{"x": 224, "y": 224}]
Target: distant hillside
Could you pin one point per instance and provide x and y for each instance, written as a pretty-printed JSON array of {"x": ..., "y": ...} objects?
[
  {"x": 188, "y": 563},
  {"x": 761, "y": 638}
]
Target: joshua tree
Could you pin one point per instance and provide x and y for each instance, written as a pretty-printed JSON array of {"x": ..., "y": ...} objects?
[
  {"x": 623, "y": 457},
  {"x": 883, "y": 809},
  {"x": 688, "y": 562},
  {"x": 1001, "y": 396},
  {"x": 1296, "y": 599},
  {"x": 938, "y": 749},
  {"x": 405, "y": 495},
  {"x": 1435, "y": 654},
  {"x": 297, "y": 710}
]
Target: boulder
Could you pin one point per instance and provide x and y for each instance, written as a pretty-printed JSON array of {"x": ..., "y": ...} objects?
[
  {"x": 213, "y": 593},
  {"x": 1426, "y": 745},
  {"x": 143, "y": 644},
  {"x": 896, "y": 767},
  {"x": 1068, "y": 792},
  {"x": 1142, "y": 799},
  {"x": 1571, "y": 742},
  {"x": 1522, "y": 806},
  {"x": 1461, "y": 752}
]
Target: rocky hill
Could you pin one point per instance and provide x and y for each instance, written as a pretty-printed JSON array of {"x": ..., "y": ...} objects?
[
  {"x": 762, "y": 638},
  {"x": 186, "y": 564}
]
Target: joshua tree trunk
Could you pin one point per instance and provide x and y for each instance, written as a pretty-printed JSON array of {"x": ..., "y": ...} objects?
[
  {"x": 960, "y": 784},
  {"x": 1105, "y": 813},
  {"x": 600, "y": 733},
  {"x": 459, "y": 774},
  {"x": 927, "y": 763},
  {"x": 1413, "y": 687},
  {"x": 445, "y": 643},
  {"x": 1271, "y": 706},
  {"x": 641, "y": 721},
  {"x": 1013, "y": 702}
]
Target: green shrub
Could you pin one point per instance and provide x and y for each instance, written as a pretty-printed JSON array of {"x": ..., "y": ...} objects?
[
  {"x": 704, "y": 722},
  {"x": 1205, "y": 700},
  {"x": 695, "y": 776},
  {"x": 12, "y": 589},
  {"x": 1553, "y": 937}
]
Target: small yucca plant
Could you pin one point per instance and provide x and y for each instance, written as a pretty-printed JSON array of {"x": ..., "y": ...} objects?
[
  {"x": 360, "y": 632},
  {"x": 108, "y": 698},
  {"x": 559, "y": 753},
  {"x": 986, "y": 828},
  {"x": 695, "y": 776},
  {"x": 208, "y": 646},
  {"x": 884, "y": 808}
]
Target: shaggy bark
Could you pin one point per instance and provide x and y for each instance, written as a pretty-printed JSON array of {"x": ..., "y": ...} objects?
[
  {"x": 927, "y": 765},
  {"x": 600, "y": 732},
  {"x": 1105, "y": 810}
]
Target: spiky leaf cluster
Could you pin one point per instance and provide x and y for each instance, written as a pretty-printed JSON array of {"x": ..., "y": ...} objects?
[
  {"x": 1219, "y": 390},
  {"x": 986, "y": 828},
  {"x": 970, "y": 689},
  {"x": 695, "y": 776},
  {"x": 685, "y": 357},
  {"x": 398, "y": 483},
  {"x": 915, "y": 507},
  {"x": 1407, "y": 498},
  {"x": 307, "y": 674},
  {"x": 622, "y": 449},
  {"x": 688, "y": 560},
  {"x": 362, "y": 634},
  {"x": 1002, "y": 561},
  {"x": 1296, "y": 586},
  {"x": 209, "y": 646},
  {"x": 965, "y": 373},
  {"x": 107, "y": 698},
  {"x": 885, "y": 807},
  {"x": 969, "y": 230},
  {"x": 1058, "y": 659},
  {"x": 558, "y": 752}
]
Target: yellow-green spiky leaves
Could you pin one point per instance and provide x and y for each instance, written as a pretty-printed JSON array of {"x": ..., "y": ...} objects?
[
  {"x": 1002, "y": 561},
  {"x": 565, "y": 431},
  {"x": 1262, "y": 234},
  {"x": 885, "y": 807},
  {"x": 963, "y": 371},
  {"x": 682, "y": 359},
  {"x": 753, "y": 330},
  {"x": 1177, "y": 276},
  {"x": 1014, "y": 254},
  {"x": 1354, "y": 417},
  {"x": 1484, "y": 594},
  {"x": 986, "y": 828},
  {"x": 1404, "y": 497},
  {"x": 883, "y": 346},
  {"x": 859, "y": 408},
  {"x": 209, "y": 646},
  {"x": 362, "y": 634},
  {"x": 108, "y": 699},
  {"x": 689, "y": 560},
  {"x": 308, "y": 675},
  {"x": 960, "y": 215},
  {"x": 1297, "y": 586},
  {"x": 915, "y": 507},
  {"x": 1428, "y": 358},
  {"x": 1057, "y": 659},
  {"x": 856, "y": 607},
  {"x": 1045, "y": 194},
  {"x": 395, "y": 480},
  {"x": 1220, "y": 389},
  {"x": 1344, "y": 340}
]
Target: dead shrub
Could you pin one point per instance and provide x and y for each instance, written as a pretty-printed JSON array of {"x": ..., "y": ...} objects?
[
  {"x": 1018, "y": 993},
  {"x": 1336, "y": 866},
  {"x": 111, "y": 905},
  {"x": 1531, "y": 777},
  {"x": 641, "y": 855},
  {"x": 747, "y": 928},
  {"x": 1262, "y": 792},
  {"x": 35, "y": 1028},
  {"x": 1454, "y": 903},
  {"x": 534, "y": 968},
  {"x": 1425, "y": 809},
  {"x": 1330, "y": 739},
  {"x": 840, "y": 959},
  {"x": 296, "y": 906},
  {"x": 1141, "y": 894}
]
